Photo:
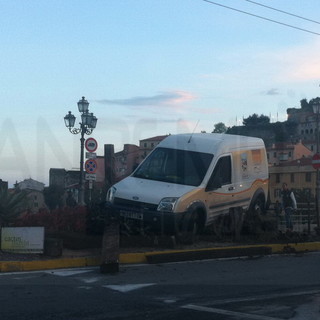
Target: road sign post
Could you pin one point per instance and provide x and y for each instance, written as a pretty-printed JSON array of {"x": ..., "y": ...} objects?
[{"x": 316, "y": 165}]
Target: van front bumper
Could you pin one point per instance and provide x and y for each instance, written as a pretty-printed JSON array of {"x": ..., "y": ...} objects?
[{"x": 147, "y": 219}]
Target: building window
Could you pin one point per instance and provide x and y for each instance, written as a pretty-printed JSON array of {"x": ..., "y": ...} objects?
[
  {"x": 274, "y": 154},
  {"x": 292, "y": 177},
  {"x": 302, "y": 132},
  {"x": 290, "y": 154},
  {"x": 308, "y": 176},
  {"x": 268, "y": 156},
  {"x": 284, "y": 157},
  {"x": 277, "y": 193},
  {"x": 145, "y": 144},
  {"x": 277, "y": 177}
]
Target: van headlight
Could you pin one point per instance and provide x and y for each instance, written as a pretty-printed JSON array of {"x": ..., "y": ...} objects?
[
  {"x": 167, "y": 204},
  {"x": 110, "y": 194}
]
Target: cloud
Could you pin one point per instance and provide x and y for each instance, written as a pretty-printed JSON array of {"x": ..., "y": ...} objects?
[
  {"x": 210, "y": 111},
  {"x": 271, "y": 92},
  {"x": 300, "y": 63},
  {"x": 162, "y": 99}
]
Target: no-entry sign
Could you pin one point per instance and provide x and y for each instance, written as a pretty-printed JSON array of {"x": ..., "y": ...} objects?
[
  {"x": 91, "y": 144},
  {"x": 316, "y": 161}
]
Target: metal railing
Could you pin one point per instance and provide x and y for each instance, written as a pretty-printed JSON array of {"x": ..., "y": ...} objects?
[{"x": 304, "y": 218}]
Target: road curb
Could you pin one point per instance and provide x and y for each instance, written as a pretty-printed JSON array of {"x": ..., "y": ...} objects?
[{"x": 162, "y": 256}]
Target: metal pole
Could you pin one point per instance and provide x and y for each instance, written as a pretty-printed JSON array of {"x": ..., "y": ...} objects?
[
  {"x": 309, "y": 229},
  {"x": 318, "y": 197},
  {"x": 318, "y": 176},
  {"x": 81, "y": 191}
]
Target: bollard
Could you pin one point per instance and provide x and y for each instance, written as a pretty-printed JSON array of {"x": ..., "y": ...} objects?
[
  {"x": 237, "y": 216},
  {"x": 309, "y": 229},
  {"x": 110, "y": 248}
]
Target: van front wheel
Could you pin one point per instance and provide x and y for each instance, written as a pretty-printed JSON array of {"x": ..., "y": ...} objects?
[{"x": 189, "y": 228}]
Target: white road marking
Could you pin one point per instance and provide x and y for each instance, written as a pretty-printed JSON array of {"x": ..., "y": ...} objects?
[
  {"x": 67, "y": 273},
  {"x": 129, "y": 287},
  {"x": 50, "y": 271},
  {"x": 170, "y": 301},
  {"x": 228, "y": 312},
  {"x": 265, "y": 297},
  {"x": 24, "y": 278},
  {"x": 308, "y": 311},
  {"x": 90, "y": 280}
]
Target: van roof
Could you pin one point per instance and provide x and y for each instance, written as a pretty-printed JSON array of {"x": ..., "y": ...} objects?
[{"x": 210, "y": 142}]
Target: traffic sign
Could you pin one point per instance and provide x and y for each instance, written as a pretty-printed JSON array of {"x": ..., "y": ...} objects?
[
  {"x": 316, "y": 161},
  {"x": 91, "y": 144},
  {"x": 91, "y": 166},
  {"x": 91, "y": 155},
  {"x": 91, "y": 176}
]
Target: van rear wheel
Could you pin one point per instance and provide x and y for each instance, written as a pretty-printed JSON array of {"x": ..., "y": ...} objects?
[
  {"x": 258, "y": 206},
  {"x": 252, "y": 223}
]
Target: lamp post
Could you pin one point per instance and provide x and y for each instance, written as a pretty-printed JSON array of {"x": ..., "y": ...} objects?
[
  {"x": 316, "y": 110},
  {"x": 87, "y": 124}
]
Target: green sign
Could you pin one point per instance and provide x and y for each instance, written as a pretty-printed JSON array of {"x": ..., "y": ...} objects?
[{"x": 22, "y": 239}]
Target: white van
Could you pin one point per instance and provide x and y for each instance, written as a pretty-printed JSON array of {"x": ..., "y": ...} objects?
[{"x": 188, "y": 180}]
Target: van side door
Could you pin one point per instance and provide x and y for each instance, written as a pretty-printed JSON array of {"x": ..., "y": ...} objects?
[{"x": 220, "y": 188}]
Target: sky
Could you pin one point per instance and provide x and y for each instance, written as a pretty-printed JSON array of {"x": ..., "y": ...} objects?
[{"x": 147, "y": 68}]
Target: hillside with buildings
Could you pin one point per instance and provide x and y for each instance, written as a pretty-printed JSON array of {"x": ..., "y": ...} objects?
[{"x": 290, "y": 146}]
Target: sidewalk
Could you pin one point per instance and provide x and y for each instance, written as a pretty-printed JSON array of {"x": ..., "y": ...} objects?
[{"x": 92, "y": 257}]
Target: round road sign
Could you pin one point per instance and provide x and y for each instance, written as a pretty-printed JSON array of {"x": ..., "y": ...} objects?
[
  {"x": 91, "y": 166},
  {"x": 316, "y": 161},
  {"x": 91, "y": 144}
]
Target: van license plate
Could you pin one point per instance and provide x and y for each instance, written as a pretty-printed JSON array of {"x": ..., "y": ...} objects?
[{"x": 131, "y": 215}]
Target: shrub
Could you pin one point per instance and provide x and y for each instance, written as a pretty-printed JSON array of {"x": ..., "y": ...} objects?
[
  {"x": 11, "y": 206},
  {"x": 58, "y": 220}
]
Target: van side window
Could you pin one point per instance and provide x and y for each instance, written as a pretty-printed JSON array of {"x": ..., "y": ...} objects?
[{"x": 221, "y": 174}]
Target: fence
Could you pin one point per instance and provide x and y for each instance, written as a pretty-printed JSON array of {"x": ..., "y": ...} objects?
[{"x": 304, "y": 218}]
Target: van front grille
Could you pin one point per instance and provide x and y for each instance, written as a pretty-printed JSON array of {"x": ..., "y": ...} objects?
[{"x": 136, "y": 205}]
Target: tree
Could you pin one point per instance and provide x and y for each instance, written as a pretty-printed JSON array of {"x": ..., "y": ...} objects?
[
  {"x": 53, "y": 196},
  {"x": 219, "y": 127},
  {"x": 255, "y": 120},
  {"x": 304, "y": 104},
  {"x": 11, "y": 205},
  {"x": 312, "y": 102}
]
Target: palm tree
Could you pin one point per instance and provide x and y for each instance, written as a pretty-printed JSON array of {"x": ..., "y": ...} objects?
[{"x": 11, "y": 205}]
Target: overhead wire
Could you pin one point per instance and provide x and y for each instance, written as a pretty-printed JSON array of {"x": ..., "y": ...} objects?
[
  {"x": 282, "y": 11},
  {"x": 261, "y": 17}
]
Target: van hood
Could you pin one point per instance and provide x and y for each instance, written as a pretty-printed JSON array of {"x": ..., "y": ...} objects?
[{"x": 148, "y": 191}]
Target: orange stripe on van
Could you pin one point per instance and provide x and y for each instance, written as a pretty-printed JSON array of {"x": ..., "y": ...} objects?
[{"x": 246, "y": 190}]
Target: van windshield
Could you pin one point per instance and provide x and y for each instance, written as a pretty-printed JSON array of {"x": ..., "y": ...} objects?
[{"x": 175, "y": 166}]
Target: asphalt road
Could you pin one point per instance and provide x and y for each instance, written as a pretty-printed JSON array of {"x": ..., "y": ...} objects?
[{"x": 266, "y": 288}]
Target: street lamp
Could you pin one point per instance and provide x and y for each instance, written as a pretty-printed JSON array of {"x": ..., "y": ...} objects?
[
  {"x": 316, "y": 110},
  {"x": 87, "y": 124}
]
